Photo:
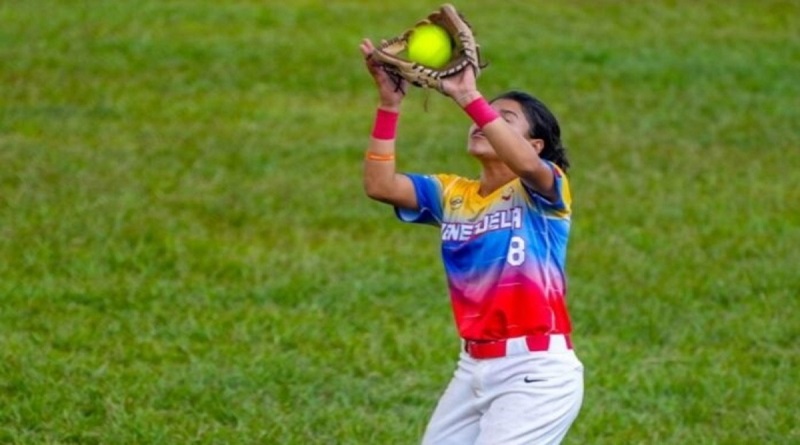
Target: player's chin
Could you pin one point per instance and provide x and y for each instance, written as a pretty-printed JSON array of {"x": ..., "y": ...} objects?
[
  {"x": 478, "y": 142},
  {"x": 479, "y": 146}
]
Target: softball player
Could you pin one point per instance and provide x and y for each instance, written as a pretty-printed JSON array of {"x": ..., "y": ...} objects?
[{"x": 504, "y": 238}]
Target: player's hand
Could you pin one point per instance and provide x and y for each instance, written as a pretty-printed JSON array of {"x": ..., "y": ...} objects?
[
  {"x": 461, "y": 87},
  {"x": 391, "y": 89}
]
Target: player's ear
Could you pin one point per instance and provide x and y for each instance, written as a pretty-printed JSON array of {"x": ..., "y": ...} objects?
[{"x": 537, "y": 144}]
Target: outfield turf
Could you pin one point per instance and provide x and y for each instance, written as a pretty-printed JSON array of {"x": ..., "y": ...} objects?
[{"x": 187, "y": 257}]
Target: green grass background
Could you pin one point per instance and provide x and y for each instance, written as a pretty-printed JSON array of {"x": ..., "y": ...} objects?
[{"x": 187, "y": 257}]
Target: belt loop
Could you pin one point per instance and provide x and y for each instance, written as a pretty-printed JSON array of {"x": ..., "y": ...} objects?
[{"x": 538, "y": 342}]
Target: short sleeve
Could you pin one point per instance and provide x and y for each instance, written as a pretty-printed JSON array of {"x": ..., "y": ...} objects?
[
  {"x": 563, "y": 201},
  {"x": 428, "y": 189}
]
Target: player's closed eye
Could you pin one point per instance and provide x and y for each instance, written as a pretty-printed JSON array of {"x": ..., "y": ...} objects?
[{"x": 508, "y": 115}]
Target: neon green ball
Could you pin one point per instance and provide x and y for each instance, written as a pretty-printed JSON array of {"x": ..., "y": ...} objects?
[{"x": 430, "y": 45}]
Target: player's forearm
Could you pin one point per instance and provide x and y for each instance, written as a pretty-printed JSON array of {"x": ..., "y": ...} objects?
[
  {"x": 379, "y": 159},
  {"x": 510, "y": 146},
  {"x": 507, "y": 143},
  {"x": 379, "y": 168}
]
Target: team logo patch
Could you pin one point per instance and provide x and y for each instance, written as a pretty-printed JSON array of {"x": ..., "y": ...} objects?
[
  {"x": 456, "y": 202},
  {"x": 507, "y": 193}
]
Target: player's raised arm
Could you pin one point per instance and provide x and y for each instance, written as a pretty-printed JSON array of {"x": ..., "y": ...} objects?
[
  {"x": 518, "y": 152},
  {"x": 381, "y": 180}
]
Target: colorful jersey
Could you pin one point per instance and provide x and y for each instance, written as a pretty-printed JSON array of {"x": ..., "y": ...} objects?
[{"x": 504, "y": 254}]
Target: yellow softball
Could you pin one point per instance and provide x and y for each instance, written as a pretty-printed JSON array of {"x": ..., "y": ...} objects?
[{"x": 430, "y": 45}]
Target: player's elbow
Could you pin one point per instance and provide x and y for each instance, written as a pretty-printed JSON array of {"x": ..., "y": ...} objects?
[
  {"x": 539, "y": 178},
  {"x": 383, "y": 191},
  {"x": 375, "y": 189},
  {"x": 531, "y": 169}
]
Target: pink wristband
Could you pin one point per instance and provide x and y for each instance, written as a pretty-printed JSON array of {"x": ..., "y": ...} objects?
[
  {"x": 385, "y": 124},
  {"x": 481, "y": 112}
]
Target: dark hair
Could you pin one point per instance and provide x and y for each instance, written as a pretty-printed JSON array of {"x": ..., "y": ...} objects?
[{"x": 544, "y": 125}]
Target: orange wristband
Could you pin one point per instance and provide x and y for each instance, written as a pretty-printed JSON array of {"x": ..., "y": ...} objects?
[{"x": 378, "y": 157}]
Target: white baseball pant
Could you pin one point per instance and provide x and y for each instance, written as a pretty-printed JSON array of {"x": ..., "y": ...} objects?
[{"x": 529, "y": 398}]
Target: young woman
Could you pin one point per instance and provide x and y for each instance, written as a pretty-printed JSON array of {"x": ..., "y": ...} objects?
[{"x": 504, "y": 238}]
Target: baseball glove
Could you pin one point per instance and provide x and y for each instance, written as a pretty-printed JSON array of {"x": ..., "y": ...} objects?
[{"x": 466, "y": 52}]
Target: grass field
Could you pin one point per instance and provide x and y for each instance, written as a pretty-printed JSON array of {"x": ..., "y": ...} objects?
[{"x": 187, "y": 257}]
